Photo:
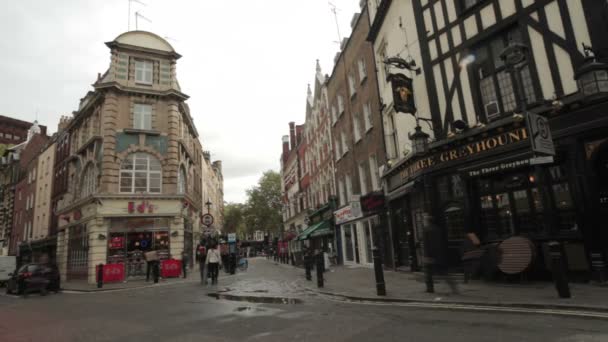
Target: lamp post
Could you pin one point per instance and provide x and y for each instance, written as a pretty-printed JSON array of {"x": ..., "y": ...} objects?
[{"x": 208, "y": 204}]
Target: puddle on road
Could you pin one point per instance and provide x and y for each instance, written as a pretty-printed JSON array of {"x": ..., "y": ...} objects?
[{"x": 256, "y": 299}]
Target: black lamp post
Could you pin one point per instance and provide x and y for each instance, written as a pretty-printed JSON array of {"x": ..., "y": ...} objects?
[
  {"x": 592, "y": 75},
  {"x": 208, "y": 204},
  {"x": 420, "y": 140}
]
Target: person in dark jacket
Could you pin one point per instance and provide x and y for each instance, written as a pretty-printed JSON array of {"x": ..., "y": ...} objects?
[
  {"x": 184, "y": 262},
  {"x": 433, "y": 251},
  {"x": 201, "y": 256}
]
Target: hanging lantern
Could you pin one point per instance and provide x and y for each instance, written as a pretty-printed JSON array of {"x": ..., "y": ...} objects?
[
  {"x": 592, "y": 75},
  {"x": 420, "y": 141}
]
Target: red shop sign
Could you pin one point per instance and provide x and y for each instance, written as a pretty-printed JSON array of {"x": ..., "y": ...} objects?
[
  {"x": 117, "y": 242},
  {"x": 112, "y": 273},
  {"x": 170, "y": 268}
]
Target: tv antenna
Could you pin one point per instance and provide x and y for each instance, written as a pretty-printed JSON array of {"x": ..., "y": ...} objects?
[
  {"x": 137, "y": 15},
  {"x": 335, "y": 11},
  {"x": 129, "y": 16}
]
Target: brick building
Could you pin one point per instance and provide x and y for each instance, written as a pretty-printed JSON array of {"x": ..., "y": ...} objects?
[{"x": 358, "y": 146}]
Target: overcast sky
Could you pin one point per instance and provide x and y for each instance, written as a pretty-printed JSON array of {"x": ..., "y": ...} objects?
[{"x": 245, "y": 65}]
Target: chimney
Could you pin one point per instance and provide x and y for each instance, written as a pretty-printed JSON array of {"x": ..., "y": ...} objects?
[
  {"x": 285, "y": 147},
  {"x": 292, "y": 134},
  {"x": 299, "y": 133}
]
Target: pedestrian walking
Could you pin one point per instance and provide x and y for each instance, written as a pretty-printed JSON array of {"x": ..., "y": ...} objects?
[
  {"x": 434, "y": 261},
  {"x": 184, "y": 262},
  {"x": 201, "y": 257},
  {"x": 213, "y": 261}
]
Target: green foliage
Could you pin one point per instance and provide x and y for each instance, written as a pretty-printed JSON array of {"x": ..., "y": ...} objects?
[{"x": 262, "y": 211}]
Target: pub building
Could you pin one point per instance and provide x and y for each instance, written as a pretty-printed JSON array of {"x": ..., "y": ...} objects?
[{"x": 488, "y": 180}]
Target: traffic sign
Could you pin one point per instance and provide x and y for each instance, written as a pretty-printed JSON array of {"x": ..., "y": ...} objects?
[
  {"x": 207, "y": 220},
  {"x": 231, "y": 237}
]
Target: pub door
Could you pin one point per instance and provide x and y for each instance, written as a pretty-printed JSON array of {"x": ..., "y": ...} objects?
[
  {"x": 601, "y": 171},
  {"x": 402, "y": 232}
]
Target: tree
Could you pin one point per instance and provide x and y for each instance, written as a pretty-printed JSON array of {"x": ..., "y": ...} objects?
[
  {"x": 234, "y": 217},
  {"x": 263, "y": 209}
]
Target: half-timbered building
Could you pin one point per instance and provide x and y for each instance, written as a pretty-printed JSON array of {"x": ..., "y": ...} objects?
[{"x": 487, "y": 66}]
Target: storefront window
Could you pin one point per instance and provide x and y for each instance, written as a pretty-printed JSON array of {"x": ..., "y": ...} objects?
[
  {"x": 454, "y": 221},
  {"x": 348, "y": 243},
  {"x": 562, "y": 199},
  {"x": 505, "y": 216}
]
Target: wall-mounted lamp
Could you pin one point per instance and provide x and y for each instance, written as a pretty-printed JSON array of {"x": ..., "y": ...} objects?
[
  {"x": 174, "y": 233},
  {"x": 101, "y": 237}
]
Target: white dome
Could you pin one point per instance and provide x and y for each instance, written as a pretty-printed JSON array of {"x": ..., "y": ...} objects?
[{"x": 144, "y": 39}]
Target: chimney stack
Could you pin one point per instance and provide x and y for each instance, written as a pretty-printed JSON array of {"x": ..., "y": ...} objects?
[
  {"x": 292, "y": 134},
  {"x": 285, "y": 147}
]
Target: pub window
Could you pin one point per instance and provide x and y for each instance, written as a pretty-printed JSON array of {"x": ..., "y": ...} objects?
[
  {"x": 454, "y": 222},
  {"x": 562, "y": 199},
  {"x": 496, "y": 85}
]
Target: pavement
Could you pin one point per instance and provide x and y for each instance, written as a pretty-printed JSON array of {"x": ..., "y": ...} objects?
[
  {"x": 84, "y": 286},
  {"x": 358, "y": 283},
  {"x": 188, "y": 311}
]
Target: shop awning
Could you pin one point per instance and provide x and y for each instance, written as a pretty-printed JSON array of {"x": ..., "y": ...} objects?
[{"x": 319, "y": 229}]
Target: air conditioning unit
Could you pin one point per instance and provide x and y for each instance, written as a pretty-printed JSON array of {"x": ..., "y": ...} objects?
[{"x": 492, "y": 109}]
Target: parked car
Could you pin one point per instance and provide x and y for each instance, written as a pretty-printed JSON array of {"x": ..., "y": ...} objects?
[
  {"x": 34, "y": 278},
  {"x": 7, "y": 265}
]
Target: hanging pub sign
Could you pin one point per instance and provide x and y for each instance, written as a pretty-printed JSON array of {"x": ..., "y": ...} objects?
[
  {"x": 403, "y": 93},
  {"x": 540, "y": 134}
]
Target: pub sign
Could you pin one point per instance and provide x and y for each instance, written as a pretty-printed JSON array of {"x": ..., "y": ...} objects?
[{"x": 403, "y": 93}]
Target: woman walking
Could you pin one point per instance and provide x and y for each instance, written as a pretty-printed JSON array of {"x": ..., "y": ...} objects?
[{"x": 213, "y": 261}]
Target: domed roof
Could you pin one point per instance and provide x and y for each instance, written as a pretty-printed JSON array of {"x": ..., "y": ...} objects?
[{"x": 144, "y": 39}]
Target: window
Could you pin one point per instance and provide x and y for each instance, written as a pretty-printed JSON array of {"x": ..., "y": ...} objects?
[
  {"x": 16, "y": 137},
  {"x": 88, "y": 184},
  {"x": 562, "y": 198},
  {"x": 375, "y": 173},
  {"x": 181, "y": 181},
  {"x": 356, "y": 127},
  {"x": 8, "y": 136},
  {"x": 140, "y": 172},
  {"x": 349, "y": 187},
  {"x": 362, "y": 70},
  {"x": 340, "y": 105},
  {"x": 143, "y": 72},
  {"x": 142, "y": 116},
  {"x": 344, "y": 146},
  {"x": 351, "y": 85},
  {"x": 367, "y": 117},
  {"x": 337, "y": 149},
  {"x": 496, "y": 84},
  {"x": 363, "y": 177},
  {"x": 390, "y": 137}
]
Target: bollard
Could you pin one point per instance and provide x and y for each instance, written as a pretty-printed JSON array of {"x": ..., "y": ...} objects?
[
  {"x": 559, "y": 273},
  {"x": 99, "y": 276},
  {"x": 319, "y": 270},
  {"x": 428, "y": 276},
  {"x": 232, "y": 263},
  {"x": 380, "y": 285},
  {"x": 307, "y": 267},
  {"x": 156, "y": 271}
]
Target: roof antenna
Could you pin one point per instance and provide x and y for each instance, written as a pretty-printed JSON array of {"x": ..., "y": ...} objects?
[
  {"x": 335, "y": 10},
  {"x": 129, "y": 16},
  {"x": 137, "y": 15}
]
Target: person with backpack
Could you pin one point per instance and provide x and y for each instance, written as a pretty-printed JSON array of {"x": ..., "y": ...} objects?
[{"x": 213, "y": 261}]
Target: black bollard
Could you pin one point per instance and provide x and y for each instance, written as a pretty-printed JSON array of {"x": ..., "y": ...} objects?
[
  {"x": 99, "y": 276},
  {"x": 428, "y": 276},
  {"x": 559, "y": 273},
  {"x": 599, "y": 267},
  {"x": 307, "y": 266},
  {"x": 380, "y": 285},
  {"x": 232, "y": 263},
  {"x": 320, "y": 270},
  {"x": 156, "y": 271}
]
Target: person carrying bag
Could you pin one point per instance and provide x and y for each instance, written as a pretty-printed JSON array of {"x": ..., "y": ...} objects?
[{"x": 213, "y": 261}]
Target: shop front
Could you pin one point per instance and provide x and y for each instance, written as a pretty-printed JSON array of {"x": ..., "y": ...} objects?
[
  {"x": 487, "y": 181},
  {"x": 320, "y": 233},
  {"x": 358, "y": 234}
]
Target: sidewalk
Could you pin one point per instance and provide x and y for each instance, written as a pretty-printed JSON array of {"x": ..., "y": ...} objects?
[
  {"x": 83, "y": 286},
  {"x": 359, "y": 284}
]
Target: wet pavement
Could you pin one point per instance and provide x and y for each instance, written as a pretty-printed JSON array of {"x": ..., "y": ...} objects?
[{"x": 188, "y": 311}]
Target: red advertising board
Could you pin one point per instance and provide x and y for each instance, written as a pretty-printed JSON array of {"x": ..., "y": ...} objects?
[
  {"x": 112, "y": 273},
  {"x": 117, "y": 242},
  {"x": 170, "y": 268}
]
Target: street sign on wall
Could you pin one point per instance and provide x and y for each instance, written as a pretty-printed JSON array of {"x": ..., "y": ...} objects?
[
  {"x": 540, "y": 134},
  {"x": 207, "y": 220},
  {"x": 231, "y": 237}
]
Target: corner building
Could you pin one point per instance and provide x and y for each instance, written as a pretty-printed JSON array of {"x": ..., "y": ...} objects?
[{"x": 133, "y": 169}]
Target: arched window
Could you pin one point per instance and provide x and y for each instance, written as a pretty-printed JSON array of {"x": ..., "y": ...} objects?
[
  {"x": 140, "y": 172},
  {"x": 181, "y": 181},
  {"x": 88, "y": 184}
]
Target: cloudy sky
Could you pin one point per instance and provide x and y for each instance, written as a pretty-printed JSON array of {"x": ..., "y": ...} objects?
[{"x": 245, "y": 65}]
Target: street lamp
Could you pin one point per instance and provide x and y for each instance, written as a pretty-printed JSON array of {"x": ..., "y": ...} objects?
[
  {"x": 420, "y": 140},
  {"x": 208, "y": 204},
  {"x": 592, "y": 75}
]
